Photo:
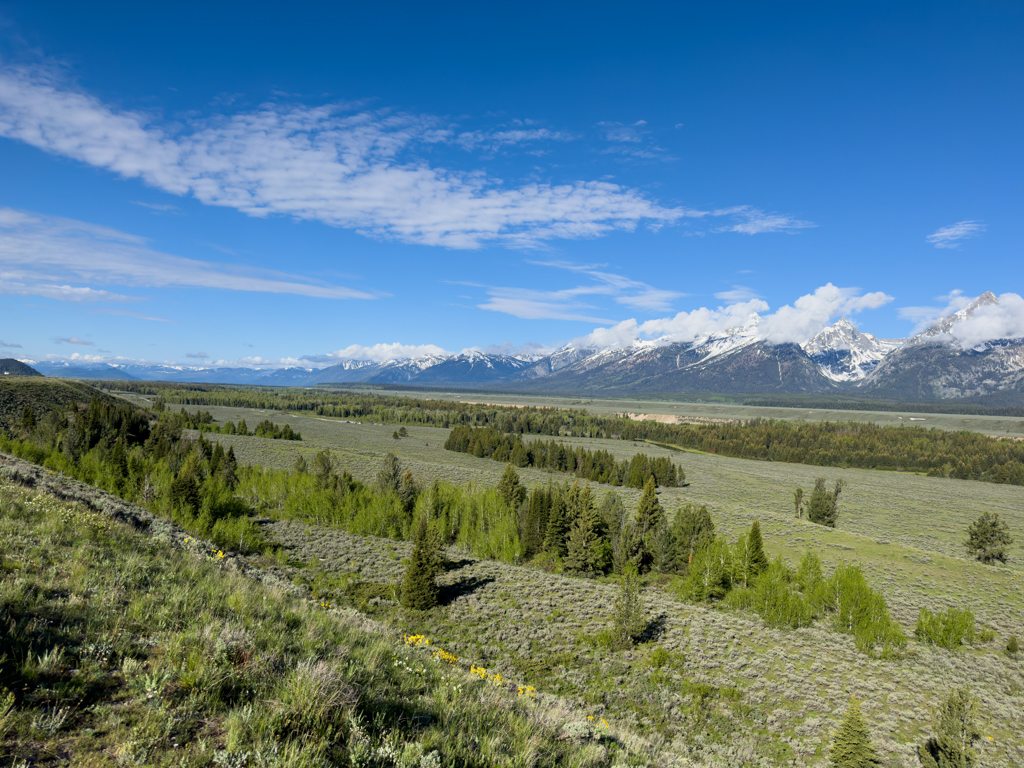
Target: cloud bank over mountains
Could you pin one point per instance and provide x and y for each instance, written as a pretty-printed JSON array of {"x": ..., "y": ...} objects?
[{"x": 339, "y": 164}]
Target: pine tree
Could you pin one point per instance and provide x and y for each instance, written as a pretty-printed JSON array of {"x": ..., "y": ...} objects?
[
  {"x": 511, "y": 490},
  {"x": 692, "y": 529},
  {"x": 822, "y": 509},
  {"x": 758, "y": 560},
  {"x": 649, "y": 512},
  {"x": 987, "y": 539},
  {"x": 389, "y": 476},
  {"x": 952, "y": 746},
  {"x": 851, "y": 745},
  {"x": 628, "y": 622},
  {"x": 419, "y": 588},
  {"x": 581, "y": 547},
  {"x": 558, "y": 526}
]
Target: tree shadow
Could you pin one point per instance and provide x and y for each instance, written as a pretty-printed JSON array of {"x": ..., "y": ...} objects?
[
  {"x": 655, "y": 629},
  {"x": 449, "y": 593},
  {"x": 454, "y": 565}
]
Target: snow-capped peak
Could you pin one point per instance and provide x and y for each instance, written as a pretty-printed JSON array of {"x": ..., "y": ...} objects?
[
  {"x": 843, "y": 353},
  {"x": 947, "y": 324}
]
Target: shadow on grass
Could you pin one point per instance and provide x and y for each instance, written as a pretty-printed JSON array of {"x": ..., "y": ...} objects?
[
  {"x": 449, "y": 593},
  {"x": 655, "y": 629}
]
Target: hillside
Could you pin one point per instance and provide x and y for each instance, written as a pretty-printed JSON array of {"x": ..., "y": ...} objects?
[
  {"x": 11, "y": 367},
  {"x": 42, "y": 395}
]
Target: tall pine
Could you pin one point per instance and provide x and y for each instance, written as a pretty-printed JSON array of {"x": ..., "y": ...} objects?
[
  {"x": 419, "y": 588},
  {"x": 851, "y": 746}
]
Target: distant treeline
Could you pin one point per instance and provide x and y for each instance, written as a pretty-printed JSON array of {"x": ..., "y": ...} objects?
[
  {"x": 596, "y": 466},
  {"x": 964, "y": 455},
  {"x": 203, "y": 422},
  {"x": 953, "y": 407}
]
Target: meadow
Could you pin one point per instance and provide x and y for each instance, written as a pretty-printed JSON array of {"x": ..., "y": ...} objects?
[{"x": 705, "y": 686}]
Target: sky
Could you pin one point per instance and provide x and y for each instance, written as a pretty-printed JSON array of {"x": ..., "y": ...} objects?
[{"x": 280, "y": 184}]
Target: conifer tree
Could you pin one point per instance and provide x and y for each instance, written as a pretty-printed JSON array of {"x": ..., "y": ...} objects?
[
  {"x": 851, "y": 745},
  {"x": 419, "y": 588},
  {"x": 389, "y": 476},
  {"x": 628, "y": 622},
  {"x": 535, "y": 522},
  {"x": 956, "y": 730},
  {"x": 823, "y": 508},
  {"x": 987, "y": 539},
  {"x": 758, "y": 561},
  {"x": 649, "y": 512},
  {"x": 692, "y": 529},
  {"x": 511, "y": 490},
  {"x": 558, "y": 526}
]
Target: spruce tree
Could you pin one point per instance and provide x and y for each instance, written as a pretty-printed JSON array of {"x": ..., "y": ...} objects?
[
  {"x": 558, "y": 526},
  {"x": 956, "y": 730},
  {"x": 649, "y": 512},
  {"x": 822, "y": 509},
  {"x": 692, "y": 529},
  {"x": 758, "y": 561},
  {"x": 389, "y": 476},
  {"x": 511, "y": 490},
  {"x": 419, "y": 588},
  {"x": 581, "y": 547},
  {"x": 851, "y": 745}
]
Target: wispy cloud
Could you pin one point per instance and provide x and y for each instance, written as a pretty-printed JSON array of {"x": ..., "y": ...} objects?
[
  {"x": 950, "y": 237},
  {"x": 507, "y": 137},
  {"x": 348, "y": 168},
  {"x": 738, "y": 293},
  {"x": 7, "y": 345},
  {"x": 197, "y": 355},
  {"x": 36, "y": 251},
  {"x": 754, "y": 221},
  {"x": 158, "y": 207},
  {"x": 571, "y": 303},
  {"x": 377, "y": 353},
  {"x": 136, "y": 315},
  {"x": 74, "y": 340}
]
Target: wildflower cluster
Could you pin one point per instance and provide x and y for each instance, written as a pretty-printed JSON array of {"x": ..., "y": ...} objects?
[
  {"x": 527, "y": 690},
  {"x": 441, "y": 655},
  {"x": 416, "y": 640},
  {"x": 325, "y": 605},
  {"x": 217, "y": 554},
  {"x": 492, "y": 677},
  {"x": 595, "y": 720}
]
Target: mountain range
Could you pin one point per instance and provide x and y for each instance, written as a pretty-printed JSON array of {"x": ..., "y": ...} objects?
[{"x": 932, "y": 364}]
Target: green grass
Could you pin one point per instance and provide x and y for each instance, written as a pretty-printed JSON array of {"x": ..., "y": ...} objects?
[
  {"x": 41, "y": 394},
  {"x": 124, "y": 647}
]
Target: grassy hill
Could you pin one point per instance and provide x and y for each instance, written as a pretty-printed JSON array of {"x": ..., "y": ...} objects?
[
  {"x": 11, "y": 367},
  {"x": 42, "y": 395}
]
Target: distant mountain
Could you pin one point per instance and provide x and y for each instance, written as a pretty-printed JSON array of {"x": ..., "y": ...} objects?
[
  {"x": 841, "y": 358},
  {"x": 933, "y": 364},
  {"x": 11, "y": 367},
  {"x": 843, "y": 353},
  {"x": 83, "y": 372}
]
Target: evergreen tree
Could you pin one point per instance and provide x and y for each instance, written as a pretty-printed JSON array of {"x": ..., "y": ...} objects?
[
  {"x": 582, "y": 545},
  {"x": 242, "y": 428},
  {"x": 408, "y": 491},
  {"x": 851, "y": 745},
  {"x": 628, "y": 621},
  {"x": 987, "y": 539},
  {"x": 758, "y": 561},
  {"x": 28, "y": 419},
  {"x": 389, "y": 476},
  {"x": 558, "y": 526},
  {"x": 692, "y": 528},
  {"x": 419, "y": 588},
  {"x": 300, "y": 466},
  {"x": 535, "y": 522},
  {"x": 823, "y": 508},
  {"x": 956, "y": 730},
  {"x": 511, "y": 490},
  {"x": 649, "y": 512}
]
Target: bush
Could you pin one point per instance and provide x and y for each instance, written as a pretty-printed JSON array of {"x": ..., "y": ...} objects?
[
  {"x": 948, "y": 629},
  {"x": 1012, "y": 645}
]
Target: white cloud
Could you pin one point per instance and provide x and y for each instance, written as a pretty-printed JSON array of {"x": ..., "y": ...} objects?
[
  {"x": 738, "y": 293},
  {"x": 197, "y": 355},
  {"x": 812, "y": 312},
  {"x": 38, "y": 250},
  {"x": 530, "y": 349},
  {"x": 74, "y": 340},
  {"x": 1004, "y": 320},
  {"x": 377, "y": 353},
  {"x": 795, "y": 324},
  {"x": 346, "y": 168},
  {"x": 568, "y": 303},
  {"x": 950, "y": 237},
  {"x": 158, "y": 207},
  {"x": 754, "y": 221},
  {"x": 493, "y": 140}
]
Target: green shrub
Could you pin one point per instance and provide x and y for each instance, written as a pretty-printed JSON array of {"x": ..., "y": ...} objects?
[
  {"x": 947, "y": 629},
  {"x": 1012, "y": 645},
  {"x": 860, "y": 611}
]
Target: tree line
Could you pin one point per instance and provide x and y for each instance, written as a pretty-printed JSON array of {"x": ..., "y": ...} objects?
[{"x": 596, "y": 466}]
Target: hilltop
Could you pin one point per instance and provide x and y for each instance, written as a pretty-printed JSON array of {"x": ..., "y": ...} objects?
[{"x": 42, "y": 395}]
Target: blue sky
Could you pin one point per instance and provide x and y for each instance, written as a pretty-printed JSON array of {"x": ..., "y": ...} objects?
[{"x": 216, "y": 183}]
